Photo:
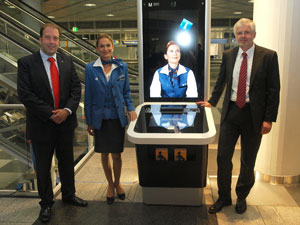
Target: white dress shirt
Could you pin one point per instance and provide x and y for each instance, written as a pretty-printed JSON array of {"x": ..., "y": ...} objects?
[{"x": 236, "y": 72}]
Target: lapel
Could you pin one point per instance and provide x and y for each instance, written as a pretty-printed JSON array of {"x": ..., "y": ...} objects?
[
  {"x": 115, "y": 76},
  {"x": 257, "y": 58},
  {"x": 61, "y": 66},
  {"x": 41, "y": 68},
  {"x": 231, "y": 62}
]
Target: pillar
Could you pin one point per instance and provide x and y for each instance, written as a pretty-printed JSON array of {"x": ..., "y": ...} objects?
[{"x": 278, "y": 28}]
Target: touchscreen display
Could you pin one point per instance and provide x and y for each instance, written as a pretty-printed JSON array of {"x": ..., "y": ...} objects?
[{"x": 173, "y": 49}]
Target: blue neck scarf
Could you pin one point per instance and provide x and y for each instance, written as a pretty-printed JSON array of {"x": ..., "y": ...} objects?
[
  {"x": 172, "y": 72},
  {"x": 111, "y": 61}
]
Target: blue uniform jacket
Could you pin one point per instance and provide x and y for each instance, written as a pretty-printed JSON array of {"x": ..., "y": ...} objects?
[{"x": 95, "y": 81}]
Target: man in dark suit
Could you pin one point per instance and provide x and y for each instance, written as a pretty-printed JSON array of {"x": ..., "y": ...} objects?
[
  {"x": 51, "y": 91},
  {"x": 251, "y": 101}
]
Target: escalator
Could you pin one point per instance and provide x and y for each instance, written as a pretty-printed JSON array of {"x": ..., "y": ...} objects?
[{"x": 19, "y": 36}]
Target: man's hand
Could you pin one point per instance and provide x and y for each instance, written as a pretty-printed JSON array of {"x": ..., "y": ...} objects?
[
  {"x": 266, "y": 127},
  {"x": 59, "y": 115},
  {"x": 90, "y": 130},
  {"x": 132, "y": 115},
  {"x": 204, "y": 103}
]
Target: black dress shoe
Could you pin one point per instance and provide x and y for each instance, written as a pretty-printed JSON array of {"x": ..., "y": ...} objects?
[
  {"x": 75, "y": 201},
  {"x": 110, "y": 200},
  {"x": 218, "y": 205},
  {"x": 241, "y": 206},
  {"x": 121, "y": 196},
  {"x": 45, "y": 214}
]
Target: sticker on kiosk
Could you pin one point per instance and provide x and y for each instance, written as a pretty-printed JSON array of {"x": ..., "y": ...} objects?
[
  {"x": 180, "y": 154},
  {"x": 161, "y": 154}
]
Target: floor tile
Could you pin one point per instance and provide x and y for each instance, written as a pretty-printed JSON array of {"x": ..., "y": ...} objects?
[
  {"x": 261, "y": 194},
  {"x": 294, "y": 191},
  {"x": 289, "y": 215},
  {"x": 266, "y": 194},
  {"x": 228, "y": 216},
  {"x": 270, "y": 215},
  {"x": 25, "y": 210}
]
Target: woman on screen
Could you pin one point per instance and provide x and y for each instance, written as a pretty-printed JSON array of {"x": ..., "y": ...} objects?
[{"x": 173, "y": 80}]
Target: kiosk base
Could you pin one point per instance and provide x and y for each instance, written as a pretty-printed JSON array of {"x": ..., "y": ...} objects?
[{"x": 172, "y": 196}]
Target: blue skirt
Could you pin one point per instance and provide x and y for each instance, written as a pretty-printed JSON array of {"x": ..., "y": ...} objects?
[{"x": 110, "y": 137}]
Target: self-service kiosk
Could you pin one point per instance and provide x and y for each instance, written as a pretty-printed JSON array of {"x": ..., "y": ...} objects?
[{"x": 172, "y": 133}]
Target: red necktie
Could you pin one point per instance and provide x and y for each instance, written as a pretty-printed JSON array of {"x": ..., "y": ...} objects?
[
  {"x": 241, "y": 92},
  {"x": 55, "y": 81}
]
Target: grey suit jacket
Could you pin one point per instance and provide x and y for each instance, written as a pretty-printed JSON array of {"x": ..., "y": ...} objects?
[
  {"x": 264, "y": 85},
  {"x": 35, "y": 93}
]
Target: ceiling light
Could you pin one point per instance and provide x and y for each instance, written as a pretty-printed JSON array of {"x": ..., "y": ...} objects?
[
  {"x": 11, "y": 7},
  {"x": 51, "y": 17},
  {"x": 251, "y": 1},
  {"x": 110, "y": 14},
  {"x": 237, "y": 13},
  {"x": 90, "y": 5}
]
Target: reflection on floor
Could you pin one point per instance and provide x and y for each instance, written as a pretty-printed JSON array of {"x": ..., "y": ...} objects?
[{"x": 267, "y": 204}]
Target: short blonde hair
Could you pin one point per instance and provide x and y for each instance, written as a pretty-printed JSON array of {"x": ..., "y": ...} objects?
[
  {"x": 104, "y": 35},
  {"x": 242, "y": 22}
]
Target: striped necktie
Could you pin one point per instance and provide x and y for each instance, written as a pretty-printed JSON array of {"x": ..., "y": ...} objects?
[{"x": 241, "y": 92}]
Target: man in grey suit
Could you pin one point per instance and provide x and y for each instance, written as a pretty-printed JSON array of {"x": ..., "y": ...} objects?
[
  {"x": 49, "y": 88},
  {"x": 251, "y": 101}
]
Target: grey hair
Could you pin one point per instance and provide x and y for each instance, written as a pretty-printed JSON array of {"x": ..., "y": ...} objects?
[{"x": 244, "y": 21}]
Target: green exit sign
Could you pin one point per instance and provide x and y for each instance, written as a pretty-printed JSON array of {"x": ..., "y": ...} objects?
[{"x": 75, "y": 29}]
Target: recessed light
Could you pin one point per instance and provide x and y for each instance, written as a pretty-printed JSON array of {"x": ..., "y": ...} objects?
[
  {"x": 51, "y": 17},
  {"x": 110, "y": 14},
  {"x": 237, "y": 13},
  {"x": 90, "y": 5}
]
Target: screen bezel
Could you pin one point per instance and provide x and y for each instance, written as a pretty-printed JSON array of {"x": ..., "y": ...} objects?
[{"x": 201, "y": 96}]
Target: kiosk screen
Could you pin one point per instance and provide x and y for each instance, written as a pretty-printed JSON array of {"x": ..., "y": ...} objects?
[{"x": 173, "y": 49}]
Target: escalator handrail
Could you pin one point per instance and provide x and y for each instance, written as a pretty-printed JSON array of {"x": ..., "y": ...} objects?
[
  {"x": 32, "y": 12},
  {"x": 35, "y": 36},
  {"x": 76, "y": 60},
  {"x": 89, "y": 47}
]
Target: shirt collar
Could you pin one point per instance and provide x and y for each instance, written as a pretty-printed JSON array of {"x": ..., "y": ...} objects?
[
  {"x": 181, "y": 70},
  {"x": 249, "y": 52},
  {"x": 45, "y": 56},
  {"x": 98, "y": 63}
]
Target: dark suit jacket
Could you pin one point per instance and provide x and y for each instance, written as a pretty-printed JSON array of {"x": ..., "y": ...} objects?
[
  {"x": 264, "y": 85},
  {"x": 35, "y": 93}
]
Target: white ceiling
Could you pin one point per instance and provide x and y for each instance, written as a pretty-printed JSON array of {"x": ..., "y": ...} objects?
[{"x": 74, "y": 10}]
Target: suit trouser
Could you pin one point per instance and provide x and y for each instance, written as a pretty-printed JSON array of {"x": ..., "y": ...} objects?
[
  {"x": 238, "y": 122},
  {"x": 62, "y": 143}
]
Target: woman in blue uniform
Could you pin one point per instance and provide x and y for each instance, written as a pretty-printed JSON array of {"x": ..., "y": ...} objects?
[
  {"x": 107, "y": 101},
  {"x": 173, "y": 80}
]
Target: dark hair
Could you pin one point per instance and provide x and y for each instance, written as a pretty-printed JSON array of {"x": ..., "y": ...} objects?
[
  {"x": 171, "y": 43},
  {"x": 49, "y": 25},
  {"x": 104, "y": 35}
]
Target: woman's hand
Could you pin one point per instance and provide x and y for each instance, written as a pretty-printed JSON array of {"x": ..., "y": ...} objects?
[
  {"x": 132, "y": 115},
  {"x": 90, "y": 130}
]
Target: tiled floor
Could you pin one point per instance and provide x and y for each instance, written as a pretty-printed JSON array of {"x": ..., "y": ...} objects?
[{"x": 267, "y": 204}]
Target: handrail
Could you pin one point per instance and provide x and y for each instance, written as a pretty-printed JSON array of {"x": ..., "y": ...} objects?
[
  {"x": 12, "y": 106},
  {"x": 33, "y": 13}
]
